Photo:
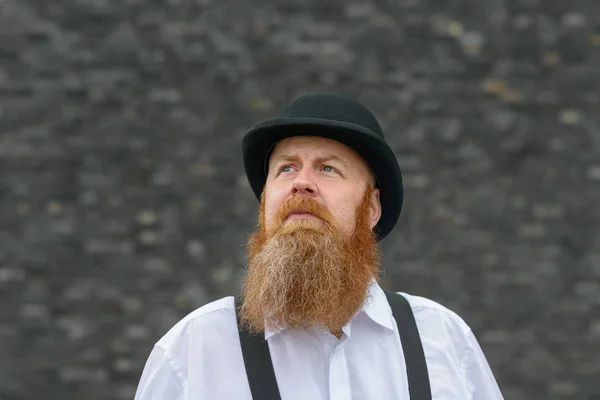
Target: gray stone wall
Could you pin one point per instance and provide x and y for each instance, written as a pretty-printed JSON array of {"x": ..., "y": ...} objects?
[{"x": 124, "y": 205}]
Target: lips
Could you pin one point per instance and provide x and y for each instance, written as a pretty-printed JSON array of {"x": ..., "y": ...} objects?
[{"x": 301, "y": 215}]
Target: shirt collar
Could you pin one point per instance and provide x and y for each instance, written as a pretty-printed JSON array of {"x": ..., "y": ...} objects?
[
  {"x": 376, "y": 307},
  {"x": 271, "y": 332}
]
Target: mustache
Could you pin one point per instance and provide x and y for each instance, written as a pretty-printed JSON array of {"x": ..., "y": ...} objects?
[{"x": 304, "y": 205}]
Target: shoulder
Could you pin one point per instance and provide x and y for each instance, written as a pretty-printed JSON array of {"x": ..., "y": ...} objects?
[
  {"x": 209, "y": 322},
  {"x": 433, "y": 316},
  {"x": 191, "y": 345}
]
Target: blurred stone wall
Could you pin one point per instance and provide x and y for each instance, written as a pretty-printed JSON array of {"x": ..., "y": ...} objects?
[{"x": 124, "y": 205}]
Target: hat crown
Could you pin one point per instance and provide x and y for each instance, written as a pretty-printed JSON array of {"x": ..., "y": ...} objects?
[{"x": 333, "y": 107}]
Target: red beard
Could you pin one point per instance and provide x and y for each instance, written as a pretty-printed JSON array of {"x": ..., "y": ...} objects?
[{"x": 305, "y": 273}]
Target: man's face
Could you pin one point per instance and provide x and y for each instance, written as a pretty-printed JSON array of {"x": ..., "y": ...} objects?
[
  {"x": 314, "y": 253},
  {"x": 323, "y": 170}
]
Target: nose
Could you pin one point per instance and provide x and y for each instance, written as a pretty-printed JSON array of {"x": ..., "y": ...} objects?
[{"x": 304, "y": 184}]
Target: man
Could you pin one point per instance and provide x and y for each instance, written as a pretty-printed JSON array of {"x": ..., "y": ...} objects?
[{"x": 312, "y": 321}]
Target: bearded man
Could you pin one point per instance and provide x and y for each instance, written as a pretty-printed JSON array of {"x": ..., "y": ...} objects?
[{"x": 311, "y": 321}]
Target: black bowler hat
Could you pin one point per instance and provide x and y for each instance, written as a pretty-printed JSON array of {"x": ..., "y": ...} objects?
[{"x": 335, "y": 117}]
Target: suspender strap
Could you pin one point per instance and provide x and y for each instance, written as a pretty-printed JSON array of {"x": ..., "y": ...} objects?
[
  {"x": 416, "y": 366},
  {"x": 257, "y": 360}
]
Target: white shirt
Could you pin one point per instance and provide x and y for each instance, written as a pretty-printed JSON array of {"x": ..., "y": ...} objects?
[{"x": 200, "y": 357}]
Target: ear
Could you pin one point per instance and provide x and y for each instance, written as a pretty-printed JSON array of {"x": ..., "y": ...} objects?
[{"x": 374, "y": 208}]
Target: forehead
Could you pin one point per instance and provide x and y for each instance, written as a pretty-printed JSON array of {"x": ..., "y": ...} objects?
[{"x": 315, "y": 146}]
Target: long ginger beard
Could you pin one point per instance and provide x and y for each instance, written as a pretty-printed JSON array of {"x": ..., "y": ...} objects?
[{"x": 305, "y": 273}]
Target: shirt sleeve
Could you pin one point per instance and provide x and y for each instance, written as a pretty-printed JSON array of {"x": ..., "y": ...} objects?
[
  {"x": 159, "y": 380},
  {"x": 478, "y": 374}
]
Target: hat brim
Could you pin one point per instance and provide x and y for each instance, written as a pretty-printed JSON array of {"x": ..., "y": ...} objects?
[{"x": 260, "y": 139}]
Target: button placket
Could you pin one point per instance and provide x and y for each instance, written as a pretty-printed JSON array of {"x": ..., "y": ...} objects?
[{"x": 339, "y": 381}]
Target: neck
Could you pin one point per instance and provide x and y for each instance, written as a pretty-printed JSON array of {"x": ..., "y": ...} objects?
[{"x": 337, "y": 333}]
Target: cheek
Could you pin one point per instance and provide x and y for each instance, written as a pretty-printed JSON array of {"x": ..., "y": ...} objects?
[
  {"x": 344, "y": 212},
  {"x": 270, "y": 208},
  {"x": 346, "y": 217},
  {"x": 268, "y": 217}
]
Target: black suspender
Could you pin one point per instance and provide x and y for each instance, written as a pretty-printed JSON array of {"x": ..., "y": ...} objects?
[
  {"x": 257, "y": 359},
  {"x": 261, "y": 376},
  {"x": 416, "y": 366}
]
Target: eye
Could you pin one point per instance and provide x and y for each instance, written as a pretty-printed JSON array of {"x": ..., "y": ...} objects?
[
  {"x": 329, "y": 168},
  {"x": 286, "y": 168}
]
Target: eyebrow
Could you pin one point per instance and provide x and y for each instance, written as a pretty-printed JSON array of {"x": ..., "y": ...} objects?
[
  {"x": 331, "y": 157},
  {"x": 322, "y": 159}
]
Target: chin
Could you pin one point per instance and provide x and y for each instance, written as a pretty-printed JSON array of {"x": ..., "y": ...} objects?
[{"x": 292, "y": 225}]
